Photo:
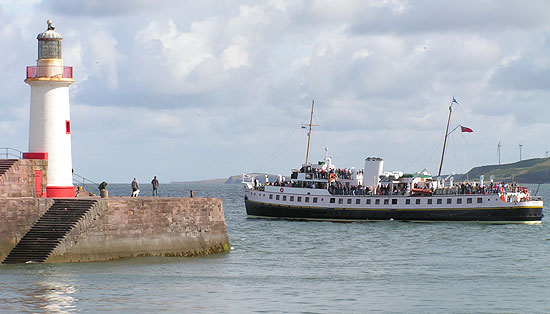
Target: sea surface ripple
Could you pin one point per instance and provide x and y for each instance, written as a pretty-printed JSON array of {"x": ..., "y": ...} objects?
[{"x": 279, "y": 266}]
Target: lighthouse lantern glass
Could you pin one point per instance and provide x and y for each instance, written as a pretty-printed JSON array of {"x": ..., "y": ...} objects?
[{"x": 49, "y": 49}]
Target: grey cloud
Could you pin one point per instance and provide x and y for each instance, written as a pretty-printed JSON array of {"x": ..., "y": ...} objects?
[
  {"x": 383, "y": 103},
  {"x": 103, "y": 8},
  {"x": 523, "y": 74},
  {"x": 454, "y": 16}
]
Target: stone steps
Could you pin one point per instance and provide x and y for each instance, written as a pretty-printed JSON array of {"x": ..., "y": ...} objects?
[
  {"x": 46, "y": 234},
  {"x": 5, "y": 165}
]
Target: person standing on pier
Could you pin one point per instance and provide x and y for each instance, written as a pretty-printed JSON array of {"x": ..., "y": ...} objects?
[
  {"x": 135, "y": 188},
  {"x": 155, "y": 184}
]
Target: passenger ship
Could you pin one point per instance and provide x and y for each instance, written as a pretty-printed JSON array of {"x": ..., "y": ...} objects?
[{"x": 323, "y": 192}]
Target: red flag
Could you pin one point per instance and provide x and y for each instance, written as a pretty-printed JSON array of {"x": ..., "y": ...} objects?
[{"x": 465, "y": 129}]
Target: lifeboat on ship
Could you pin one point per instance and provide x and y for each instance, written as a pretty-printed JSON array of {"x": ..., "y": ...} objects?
[{"x": 424, "y": 192}]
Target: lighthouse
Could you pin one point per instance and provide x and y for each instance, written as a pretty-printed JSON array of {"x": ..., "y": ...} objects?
[{"x": 50, "y": 122}]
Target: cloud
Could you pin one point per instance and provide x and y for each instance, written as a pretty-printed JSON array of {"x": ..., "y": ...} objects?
[
  {"x": 192, "y": 81},
  {"x": 103, "y": 8},
  {"x": 443, "y": 17},
  {"x": 182, "y": 52},
  {"x": 530, "y": 71}
]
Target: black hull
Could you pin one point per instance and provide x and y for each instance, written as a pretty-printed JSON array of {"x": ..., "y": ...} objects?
[{"x": 516, "y": 214}]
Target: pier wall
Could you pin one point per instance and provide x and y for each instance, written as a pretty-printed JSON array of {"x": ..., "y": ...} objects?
[
  {"x": 120, "y": 227},
  {"x": 19, "y": 180},
  {"x": 149, "y": 226},
  {"x": 17, "y": 215}
]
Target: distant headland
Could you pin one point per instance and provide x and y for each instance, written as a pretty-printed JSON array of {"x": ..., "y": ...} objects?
[
  {"x": 534, "y": 171},
  {"x": 530, "y": 171}
]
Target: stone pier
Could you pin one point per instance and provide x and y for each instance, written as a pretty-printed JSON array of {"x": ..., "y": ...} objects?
[{"x": 115, "y": 227}]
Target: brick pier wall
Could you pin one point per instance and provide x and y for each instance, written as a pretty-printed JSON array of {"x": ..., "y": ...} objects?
[
  {"x": 147, "y": 226},
  {"x": 17, "y": 215},
  {"x": 19, "y": 180},
  {"x": 120, "y": 227}
]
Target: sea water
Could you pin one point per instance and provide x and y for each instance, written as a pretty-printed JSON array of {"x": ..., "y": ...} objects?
[{"x": 278, "y": 266}]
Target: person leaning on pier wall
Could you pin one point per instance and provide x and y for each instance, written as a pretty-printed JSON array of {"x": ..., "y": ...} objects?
[{"x": 103, "y": 189}]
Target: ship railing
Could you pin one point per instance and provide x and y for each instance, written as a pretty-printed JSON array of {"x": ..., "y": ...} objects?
[
  {"x": 10, "y": 153},
  {"x": 254, "y": 188},
  {"x": 519, "y": 197}
]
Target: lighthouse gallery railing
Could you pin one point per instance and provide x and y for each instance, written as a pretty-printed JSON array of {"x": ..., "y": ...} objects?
[{"x": 49, "y": 71}]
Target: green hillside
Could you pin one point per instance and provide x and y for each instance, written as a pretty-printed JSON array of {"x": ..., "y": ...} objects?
[{"x": 536, "y": 170}]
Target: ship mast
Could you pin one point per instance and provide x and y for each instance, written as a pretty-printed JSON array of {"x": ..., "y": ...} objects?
[
  {"x": 446, "y": 133},
  {"x": 309, "y": 131}
]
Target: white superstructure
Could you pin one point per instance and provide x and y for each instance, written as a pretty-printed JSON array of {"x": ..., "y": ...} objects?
[{"x": 373, "y": 170}]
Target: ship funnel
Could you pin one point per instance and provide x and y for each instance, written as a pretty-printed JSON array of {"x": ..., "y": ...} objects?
[{"x": 373, "y": 169}]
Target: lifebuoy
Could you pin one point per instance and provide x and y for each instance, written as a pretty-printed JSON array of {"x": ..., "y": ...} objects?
[{"x": 282, "y": 190}]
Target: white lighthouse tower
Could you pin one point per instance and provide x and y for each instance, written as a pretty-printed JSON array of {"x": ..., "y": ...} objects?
[{"x": 50, "y": 122}]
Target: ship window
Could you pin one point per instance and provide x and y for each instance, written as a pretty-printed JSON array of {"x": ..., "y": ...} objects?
[
  {"x": 340, "y": 201},
  {"x": 439, "y": 201},
  {"x": 357, "y": 201},
  {"x": 368, "y": 201},
  {"x": 307, "y": 199},
  {"x": 332, "y": 200},
  {"x": 292, "y": 198},
  {"x": 469, "y": 200},
  {"x": 449, "y": 201},
  {"x": 408, "y": 202},
  {"x": 459, "y": 201},
  {"x": 394, "y": 201},
  {"x": 349, "y": 200},
  {"x": 284, "y": 197},
  {"x": 377, "y": 201},
  {"x": 386, "y": 202},
  {"x": 299, "y": 198},
  {"x": 270, "y": 196},
  {"x": 277, "y": 197},
  {"x": 417, "y": 201},
  {"x": 430, "y": 201},
  {"x": 479, "y": 200},
  {"x": 314, "y": 200}
]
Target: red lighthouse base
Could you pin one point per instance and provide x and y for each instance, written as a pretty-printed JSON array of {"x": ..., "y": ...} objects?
[{"x": 60, "y": 191}]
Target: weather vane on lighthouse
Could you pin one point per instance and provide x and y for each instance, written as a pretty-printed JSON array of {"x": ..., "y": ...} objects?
[{"x": 50, "y": 122}]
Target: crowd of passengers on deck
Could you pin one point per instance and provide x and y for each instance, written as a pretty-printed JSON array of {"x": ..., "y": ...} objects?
[
  {"x": 339, "y": 188},
  {"x": 345, "y": 173}
]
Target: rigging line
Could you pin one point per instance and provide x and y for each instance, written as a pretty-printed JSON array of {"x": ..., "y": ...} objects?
[
  {"x": 453, "y": 138},
  {"x": 471, "y": 151},
  {"x": 428, "y": 156},
  {"x": 274, "y": 154},
  {"x": 422, "y": 147},
  {"x": 454, "y": 151}
]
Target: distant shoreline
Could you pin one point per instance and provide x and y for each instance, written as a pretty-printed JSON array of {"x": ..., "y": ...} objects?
[
  {"x": 529, "y": 171},
  {"x": 212, "y": 181}
]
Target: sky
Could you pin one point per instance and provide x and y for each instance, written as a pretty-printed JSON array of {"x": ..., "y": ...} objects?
[{"x": 191, "y": 90}]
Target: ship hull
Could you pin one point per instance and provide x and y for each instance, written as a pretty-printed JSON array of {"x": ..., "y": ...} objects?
[{"x": 510, "y": 214}]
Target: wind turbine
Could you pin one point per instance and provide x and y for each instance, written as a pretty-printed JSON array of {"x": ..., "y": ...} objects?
[
  {"x": 498, "y": 152},
  {"x": 520, "y": 146}
]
